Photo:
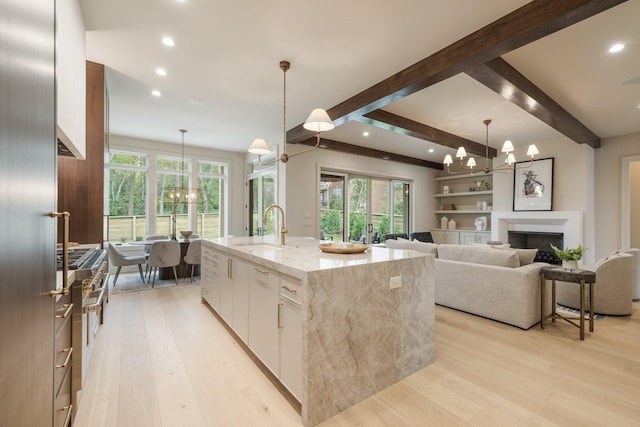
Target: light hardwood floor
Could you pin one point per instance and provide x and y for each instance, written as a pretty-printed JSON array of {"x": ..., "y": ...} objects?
[{"x": 163, "y": 359}]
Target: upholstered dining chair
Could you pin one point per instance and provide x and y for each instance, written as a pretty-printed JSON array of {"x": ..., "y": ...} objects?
[
  {"x": 117, "y": 259},
  {"x": 147, "y": 249},
  {"x": 193, "y": 256},
  {"x": 164, "y": 253}
]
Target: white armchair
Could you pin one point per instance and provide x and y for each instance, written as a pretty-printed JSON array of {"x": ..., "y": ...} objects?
[{"x": 612, "y": 291}]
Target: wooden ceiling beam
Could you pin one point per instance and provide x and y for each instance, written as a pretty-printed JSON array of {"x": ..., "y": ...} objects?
[
  {"x": 343, "y": 147},
  {"x": 508, "y": 82},
  {"x": 535, "y": 20},
  {"x": 393, "y": 122}
]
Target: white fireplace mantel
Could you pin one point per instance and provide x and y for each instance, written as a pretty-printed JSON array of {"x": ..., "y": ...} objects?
[{"x": 569, "y": 223}]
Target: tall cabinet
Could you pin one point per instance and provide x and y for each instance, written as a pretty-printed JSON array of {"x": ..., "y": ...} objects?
[
  {"x": 463, "y": 199},
  {"x": 28, "y": 180}
]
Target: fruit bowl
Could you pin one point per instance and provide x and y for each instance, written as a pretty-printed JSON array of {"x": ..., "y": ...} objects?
[{"x": 186, "y": 234}]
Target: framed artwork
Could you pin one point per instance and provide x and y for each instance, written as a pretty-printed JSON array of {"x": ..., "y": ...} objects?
[{"x": 533, "y": 186}]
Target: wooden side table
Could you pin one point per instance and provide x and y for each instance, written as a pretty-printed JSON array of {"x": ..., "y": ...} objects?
[{"x": 580, "y": 277}]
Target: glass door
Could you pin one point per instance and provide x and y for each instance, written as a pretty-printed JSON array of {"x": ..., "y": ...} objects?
[
  {"x": 261, "y": 194},
  {"x": 374, "y": 207}
]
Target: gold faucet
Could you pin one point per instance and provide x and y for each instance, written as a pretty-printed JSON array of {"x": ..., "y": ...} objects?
[{"x": 283, "y": 230}]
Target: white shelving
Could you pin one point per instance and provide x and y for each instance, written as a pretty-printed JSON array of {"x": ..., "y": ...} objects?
[{"x": 468, "y": 196}]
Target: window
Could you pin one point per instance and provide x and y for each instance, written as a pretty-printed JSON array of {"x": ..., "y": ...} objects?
[
  {"x": 211, "y": 178},
  {"x": 136, "y": 195},
  {"x": 127, "y": 196}
]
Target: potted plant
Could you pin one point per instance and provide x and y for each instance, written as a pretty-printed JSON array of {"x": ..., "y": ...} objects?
[{"x": 569, "y": 257}]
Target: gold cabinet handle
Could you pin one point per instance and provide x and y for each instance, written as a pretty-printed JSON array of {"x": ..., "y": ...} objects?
[
  {"x": 65, "y": 253},
  {"x": 280, "y": 305},
  {"x": 261, "y": 270},
  {"x": 69, "y": 410},
  {"x": 292, "y": 290},
  {"x": 68, "y": 359},
  {"x": 66, "y": 312}
]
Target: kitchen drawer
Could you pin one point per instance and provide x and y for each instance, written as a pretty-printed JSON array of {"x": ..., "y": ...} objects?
[
  {"x": 63, "y": 310},
  {"x": 291, "y": 288},
  {"x": 62, "y": 366},
  {"x": 62, "y": 410}
]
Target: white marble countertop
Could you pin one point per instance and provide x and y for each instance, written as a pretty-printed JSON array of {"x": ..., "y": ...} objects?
[{"x": 303, "y": 254}]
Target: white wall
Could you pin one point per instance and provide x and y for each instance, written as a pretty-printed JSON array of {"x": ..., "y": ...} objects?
[
  {"x": 302, "y": 187},
  {"x": 573, "y": 183},
  {"x": 235, "y": 173},
  {"x": 634, "y": 197},
  {"x": 608, "y": 185}
]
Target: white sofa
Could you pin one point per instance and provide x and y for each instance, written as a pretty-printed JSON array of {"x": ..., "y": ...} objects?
[{"x": 486, "y": 281}]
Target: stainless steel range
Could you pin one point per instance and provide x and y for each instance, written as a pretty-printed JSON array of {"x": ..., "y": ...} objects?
[
  {"x": 89, "y": 295},
  {"x": 82, "y": 258}
]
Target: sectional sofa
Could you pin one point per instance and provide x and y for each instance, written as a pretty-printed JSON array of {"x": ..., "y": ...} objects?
[{"x": 497, "y": 283}]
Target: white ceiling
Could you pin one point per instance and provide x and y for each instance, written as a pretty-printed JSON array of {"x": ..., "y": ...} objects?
[{"x": 224, "y": 84}]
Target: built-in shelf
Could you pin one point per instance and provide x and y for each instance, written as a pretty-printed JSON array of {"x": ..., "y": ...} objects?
[
  {"x": 463, "y": 211},
  {"x": 465, "y": 193}
]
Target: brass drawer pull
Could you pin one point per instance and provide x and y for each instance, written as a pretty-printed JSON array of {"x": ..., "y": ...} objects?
[
  {"x": 280, "y": 305},
  {"x": 66, "y": 312},
  {"x": 69, "y": 410},
  {"x": 292, "y": 290},
  {"x": 66, "y": 361},
  {"x": 261, "y": 270}
]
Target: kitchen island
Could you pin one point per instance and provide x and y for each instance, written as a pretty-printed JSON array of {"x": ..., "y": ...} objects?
[{"x": 333, "y": 328}]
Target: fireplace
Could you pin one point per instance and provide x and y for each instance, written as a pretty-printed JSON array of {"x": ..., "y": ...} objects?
[{"x": 540, "y": 241}]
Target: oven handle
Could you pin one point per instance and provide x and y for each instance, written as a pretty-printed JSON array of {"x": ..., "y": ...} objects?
[
  {"x": 65, "y": 253},
  {"x": 96, "y": 306}
]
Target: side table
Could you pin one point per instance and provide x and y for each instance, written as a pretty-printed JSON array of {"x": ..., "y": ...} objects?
[{"x": 580, "y": 277}]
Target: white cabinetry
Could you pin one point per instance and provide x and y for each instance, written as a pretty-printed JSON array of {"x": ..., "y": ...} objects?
[
  {"x": 460, "y": 237},
  {"x": 291, "y": 335},
  {"x": 211, "y": 276},
  {"x": 465, "y": 197},
  {"x": 264, "y": 333},
  {"x": 239, "y": 278}
]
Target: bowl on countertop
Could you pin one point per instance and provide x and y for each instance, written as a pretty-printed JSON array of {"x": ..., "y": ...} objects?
[{"x": 186, "y": 234}]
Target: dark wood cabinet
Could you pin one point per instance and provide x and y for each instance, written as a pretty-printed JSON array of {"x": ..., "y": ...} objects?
[{"x": 81, "y": 182}]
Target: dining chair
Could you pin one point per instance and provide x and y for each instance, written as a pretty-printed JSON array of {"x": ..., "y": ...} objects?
[
  {"x": 163, "y": 254},
  {"x": 147, "y": 249},
  {"x": 116, "y": 258},
  {"x": 193, "y": 256}
]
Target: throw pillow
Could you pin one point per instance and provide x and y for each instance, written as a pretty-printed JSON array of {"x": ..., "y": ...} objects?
[
  {"x": 500, "y": 258},
  {"x": 429, "y": 248},
  {"x": 526, "y": 256},
  {"x": 398, "y": 244}
]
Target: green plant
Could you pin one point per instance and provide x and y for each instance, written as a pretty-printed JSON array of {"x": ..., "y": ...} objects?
[{"x": 569, "y": 254}]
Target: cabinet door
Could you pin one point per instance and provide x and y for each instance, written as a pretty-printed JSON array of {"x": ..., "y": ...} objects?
[
  {"x": 452, "y": 237},
  {"x": 226, "y": 290},
  {"x": 264, "y": 334},
  {"x": 211, "y": 276},
  {"x": 240, "y": 298},
  {"x": 472, "y": 237},
  {"x": 291, "y": 336}
]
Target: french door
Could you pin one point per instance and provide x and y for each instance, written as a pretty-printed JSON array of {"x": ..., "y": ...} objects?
[
  {"x": 261, "y": 194},
  {"x": 372, "y": 207}
]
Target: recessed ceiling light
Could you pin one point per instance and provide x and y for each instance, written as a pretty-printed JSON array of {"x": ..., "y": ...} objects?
[
  {"x": 365, "y": 133},
  {"x": 156, "y": 92},
  {"x": 161, "y": 71},
  {"x": 168, "y": 41},
  {"x": 616, "y": 48},
  {"x": 431, "y": 150}
]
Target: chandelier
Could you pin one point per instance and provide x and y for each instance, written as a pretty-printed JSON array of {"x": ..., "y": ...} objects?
[
  {"x": 180, "y": 194},
  {"x": 507, "y": 148},
  {"x": 318, "y": 121}
]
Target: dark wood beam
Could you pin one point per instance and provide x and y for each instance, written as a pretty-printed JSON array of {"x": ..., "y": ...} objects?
[
  {"x": 343, "y": 147},
  {"x": 393, "y": 122},
  {"x": 508, "y": 82},
  {"x": 531, "y": 22}
]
